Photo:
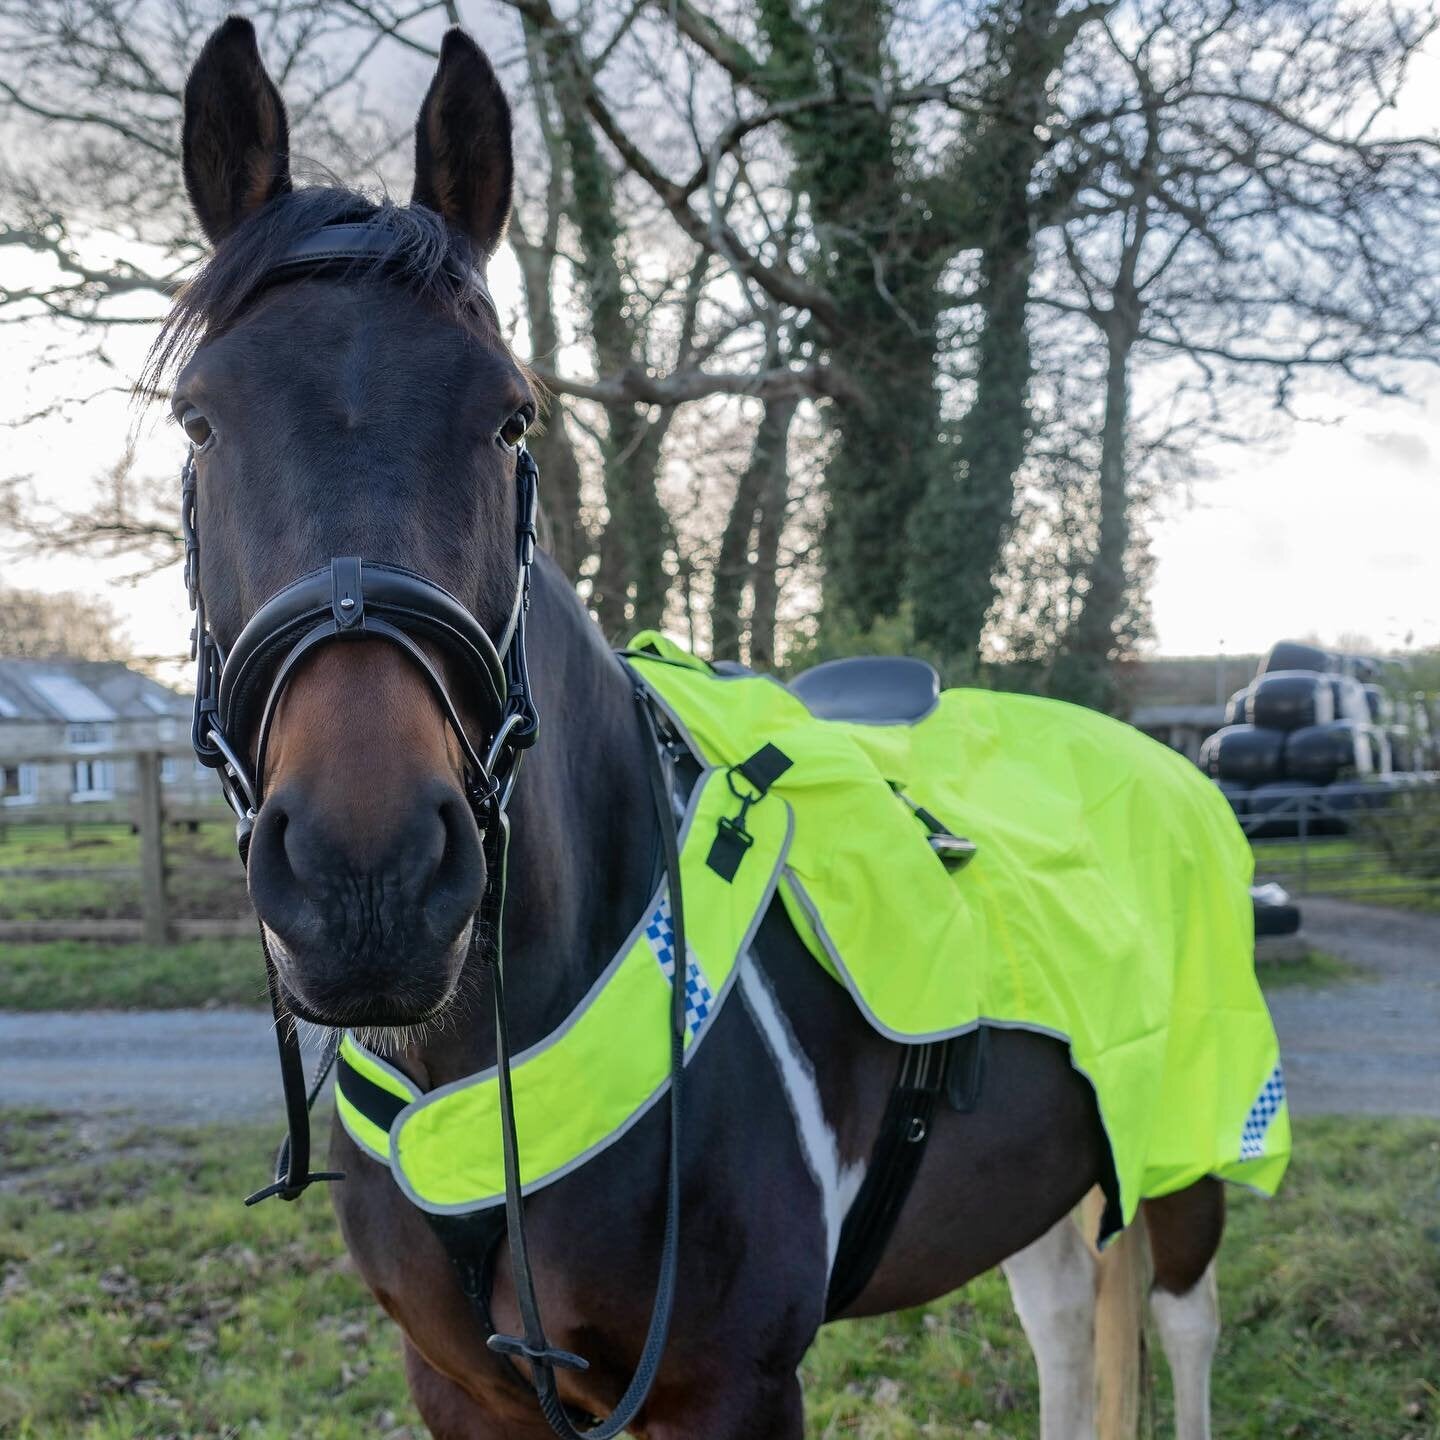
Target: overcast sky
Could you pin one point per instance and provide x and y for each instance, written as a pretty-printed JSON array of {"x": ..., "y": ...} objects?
[{"x": 1330, "y": 532}]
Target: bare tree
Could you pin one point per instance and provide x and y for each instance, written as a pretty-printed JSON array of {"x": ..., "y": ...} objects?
[
  {"x": 38, "y": 626},
  {"x": 931, "y": 205},
  {"x": 1249, "y": 226}
]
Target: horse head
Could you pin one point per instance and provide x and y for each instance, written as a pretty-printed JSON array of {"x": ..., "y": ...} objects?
[{"x": 369, "y": 409}]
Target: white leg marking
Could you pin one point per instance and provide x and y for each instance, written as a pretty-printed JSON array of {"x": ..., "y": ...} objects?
[
  {"x": 1189, "y": 1327},
  {"x": 1052, "y": 1283},
  {"x": 838, "y": 1183}
]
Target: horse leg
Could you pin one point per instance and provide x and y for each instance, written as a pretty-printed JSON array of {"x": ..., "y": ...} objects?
[
  {"x": 1185, "y": 1230},
  {"x": 452, "y": 1413},
  {"x": 769, "y": 1411},
  {"x": 1053, "y": 1285}
]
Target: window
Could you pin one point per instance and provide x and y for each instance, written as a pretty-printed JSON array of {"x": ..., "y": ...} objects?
[
  {"x": 169, "y": 769},
  {"x": 166, "y": 730},
  {"x": 94, "y": 780},
  {"x": 19, "y": 784},
  {"x": 87, "y": 735}
]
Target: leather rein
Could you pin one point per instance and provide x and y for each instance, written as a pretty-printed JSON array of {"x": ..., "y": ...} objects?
[{"x": 237, "y": 693}]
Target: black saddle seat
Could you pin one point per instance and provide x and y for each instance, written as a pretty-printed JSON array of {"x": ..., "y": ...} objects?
[{"x": 870, "y": 689}]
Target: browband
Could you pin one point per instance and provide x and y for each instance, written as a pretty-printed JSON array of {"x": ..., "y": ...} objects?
[{"x": 342, "y": 244}]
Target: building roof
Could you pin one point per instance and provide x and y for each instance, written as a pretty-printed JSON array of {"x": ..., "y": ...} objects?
[{"x": 82, "y": 691}]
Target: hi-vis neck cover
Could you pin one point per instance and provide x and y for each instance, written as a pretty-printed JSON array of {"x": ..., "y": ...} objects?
[
  {"x": 580, "y": 1088},
  {"x": 1107, "y": 905}
]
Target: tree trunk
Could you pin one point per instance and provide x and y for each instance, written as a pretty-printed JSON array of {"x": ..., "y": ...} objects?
[
  {"x": 632, "y": 561},
  {"x": 733, "y": 567},
  {"x": 1084, "y": 671},
  {"x": 774, "y": 510},
  {"x": 551, "y": 445},
  {"x": 877, "y": 258},
  {"x": 963, "y": 523}
]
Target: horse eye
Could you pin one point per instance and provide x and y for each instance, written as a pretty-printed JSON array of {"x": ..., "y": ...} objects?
[
  {"x": 197, "y": 428},
  {"x": 512, "y": 432}
]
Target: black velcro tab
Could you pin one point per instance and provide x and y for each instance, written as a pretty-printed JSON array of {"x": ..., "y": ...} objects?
[
  {"x": 765, "y": 767},
  {"x": 728, "y": 848},
  {"x": 376, "y": 1104}
]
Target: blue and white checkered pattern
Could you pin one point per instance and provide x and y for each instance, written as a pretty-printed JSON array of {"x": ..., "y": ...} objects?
[
  {"x": 1262, "y": 1112},
  {"x": 699, "y": 999}
]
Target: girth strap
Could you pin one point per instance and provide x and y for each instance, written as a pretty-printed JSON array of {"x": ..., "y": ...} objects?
[{"x": 894, "y": 1163}]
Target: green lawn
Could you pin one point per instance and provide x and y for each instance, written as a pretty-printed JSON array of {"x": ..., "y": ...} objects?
[
  {"x": 205, "y": 878},
  {"x": 139, "y": 1298},
  {"x": 79, "y": 975},
  {"x": 1352, "y": 868},
  {"x": 1314, "y": 969},
  {"x": 205, "y": 882}
]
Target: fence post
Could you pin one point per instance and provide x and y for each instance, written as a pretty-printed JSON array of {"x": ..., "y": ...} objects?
[
  {"x": 1304, "y": 844},
  {"x": 154, "y": 906}
]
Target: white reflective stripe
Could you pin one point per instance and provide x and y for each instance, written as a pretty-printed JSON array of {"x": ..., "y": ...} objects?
[{"x": 838, "y": 1182}]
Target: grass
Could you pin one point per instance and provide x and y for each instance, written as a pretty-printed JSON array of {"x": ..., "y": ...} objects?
[
  {"x": 1348, "y": 867},
  {"x": 205, "y": 881},
  {"x": 79, "y": 975},
  {"x": 139, "y": 1298},
  {"x": 1312, "y": 969},
  {"x": 204, "y": 876}
]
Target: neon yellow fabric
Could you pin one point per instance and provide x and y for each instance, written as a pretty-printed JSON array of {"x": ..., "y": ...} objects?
[
  {"x": 1107, "y": 904},
  {"x": 585, "y": 1084},
  {"x": 369, "y": 1136}
]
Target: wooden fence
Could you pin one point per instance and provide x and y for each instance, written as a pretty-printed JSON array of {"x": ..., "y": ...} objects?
[{"x": 150, "y": 811}]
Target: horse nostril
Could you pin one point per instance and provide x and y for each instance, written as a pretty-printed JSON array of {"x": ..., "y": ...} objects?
[
  {"x": 458, "y": 880},
  {"x": 275, "y": 886}
]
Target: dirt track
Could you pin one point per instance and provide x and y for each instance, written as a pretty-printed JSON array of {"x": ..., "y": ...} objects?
[{"x": 1366, "y": 1046}]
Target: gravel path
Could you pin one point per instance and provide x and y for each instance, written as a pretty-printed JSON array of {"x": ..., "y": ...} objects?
[
  {"x": 1369, "y": 1045},
  {"x": 1364, "y": 1046},
  {"x": 175, "y": 1067}
]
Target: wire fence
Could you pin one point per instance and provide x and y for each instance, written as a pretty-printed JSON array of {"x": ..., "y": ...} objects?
[{"x": 1376, "y": 843}]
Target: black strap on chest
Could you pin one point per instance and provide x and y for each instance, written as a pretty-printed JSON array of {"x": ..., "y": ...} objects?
[{"x": 953, "y": 1068}]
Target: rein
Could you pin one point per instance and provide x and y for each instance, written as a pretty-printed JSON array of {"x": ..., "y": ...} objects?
[{"x": 236, "y": 696}]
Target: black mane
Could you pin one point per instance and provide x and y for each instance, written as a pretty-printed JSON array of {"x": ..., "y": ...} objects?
[{"x": 426, "y": 256}]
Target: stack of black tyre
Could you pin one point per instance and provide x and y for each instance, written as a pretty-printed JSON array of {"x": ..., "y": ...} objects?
[{"x": 1307, "y": 733}]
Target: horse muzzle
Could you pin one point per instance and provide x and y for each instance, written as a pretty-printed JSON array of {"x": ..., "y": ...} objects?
[{"x": 368, "y": 934}]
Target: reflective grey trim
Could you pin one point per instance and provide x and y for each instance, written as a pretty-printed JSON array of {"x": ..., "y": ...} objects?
[
  {"x": 362, "y": 1144},
  {"x": 990, "y": 1021},
  {"x": 467, "y": 1207},
  {"x": 836, "y": 959}
]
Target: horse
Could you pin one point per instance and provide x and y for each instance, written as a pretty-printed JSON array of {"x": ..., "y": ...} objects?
[{"x": 376, "y": 410}]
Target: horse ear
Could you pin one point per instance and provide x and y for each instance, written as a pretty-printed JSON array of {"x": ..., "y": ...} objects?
[
  {"x": 464, "y": 168},
  {"x": 236, "y": 146}
]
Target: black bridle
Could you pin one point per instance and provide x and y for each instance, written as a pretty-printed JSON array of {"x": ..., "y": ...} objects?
[
  {"x": 236, "y": 696},
  {"x": 237, "y": 692}
]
